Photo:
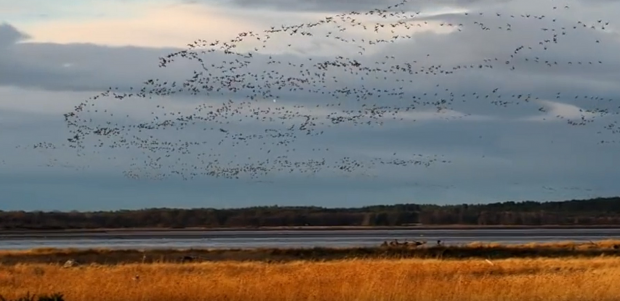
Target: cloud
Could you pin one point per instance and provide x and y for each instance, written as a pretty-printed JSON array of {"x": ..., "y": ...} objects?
[
  {"x": 556, "y": 111},
  {"x": 482, "y": 120},
  {"x": 155, "y": 25},
  {"x": 9, "y": 35},
  {"x": 346, "y": 6}
]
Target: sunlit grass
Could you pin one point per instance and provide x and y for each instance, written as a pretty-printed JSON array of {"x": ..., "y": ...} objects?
[{"x": 571, "y": 279}]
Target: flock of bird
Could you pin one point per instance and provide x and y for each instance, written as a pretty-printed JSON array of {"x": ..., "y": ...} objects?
[{"x": 247, "y": 82}]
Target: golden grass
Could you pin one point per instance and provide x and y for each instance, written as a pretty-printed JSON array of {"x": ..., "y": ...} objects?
[{"x": 571, "y": 279}]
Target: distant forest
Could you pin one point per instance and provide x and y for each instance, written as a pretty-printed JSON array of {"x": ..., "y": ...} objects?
[{"x": 599, "y": 211}]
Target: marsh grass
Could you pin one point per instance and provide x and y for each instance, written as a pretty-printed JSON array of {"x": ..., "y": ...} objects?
[
  {"x": 482, "y": 272},
  {"x": 473, "y": 250},
  {"x": 574, "y": 279}
]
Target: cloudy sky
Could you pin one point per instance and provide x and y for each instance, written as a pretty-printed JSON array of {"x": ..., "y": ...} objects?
[{"x": 484, "y": 144}]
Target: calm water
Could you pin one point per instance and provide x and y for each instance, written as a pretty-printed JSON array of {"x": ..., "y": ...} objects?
[{"x": 306, "y": 238}]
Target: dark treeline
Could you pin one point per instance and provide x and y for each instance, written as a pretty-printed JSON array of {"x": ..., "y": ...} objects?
[{"x": 599, "y": 211}]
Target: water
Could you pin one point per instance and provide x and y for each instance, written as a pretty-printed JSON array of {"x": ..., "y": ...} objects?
[{"x": 287, "y": 239}]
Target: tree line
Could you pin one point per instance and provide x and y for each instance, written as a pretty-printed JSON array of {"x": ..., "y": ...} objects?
[{"x": 598, "y": 211}]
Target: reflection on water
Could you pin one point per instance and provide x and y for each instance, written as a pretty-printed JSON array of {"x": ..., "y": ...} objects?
[{"x": 270, "y": 239}]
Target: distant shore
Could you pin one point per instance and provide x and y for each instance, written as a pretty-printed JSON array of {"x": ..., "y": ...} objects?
[{"x": 309, "y": 228}]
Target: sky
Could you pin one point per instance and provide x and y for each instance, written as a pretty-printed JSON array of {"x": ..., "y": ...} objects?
[{"x": 561, "y": 58}]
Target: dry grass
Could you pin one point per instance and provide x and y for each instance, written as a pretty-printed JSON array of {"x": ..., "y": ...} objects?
[{"x": 572, "y": 279}]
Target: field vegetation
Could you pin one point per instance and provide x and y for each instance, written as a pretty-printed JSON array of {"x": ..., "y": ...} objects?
[
  {"x": 29, "y": 297},
  {"x": 565, "y": 271},
  {"x": 567, "y": 279}
]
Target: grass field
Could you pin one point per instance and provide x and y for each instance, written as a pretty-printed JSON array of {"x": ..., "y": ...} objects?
[
  {"x": 572, "y": 279},
  {"x": 550, "y": 272}
]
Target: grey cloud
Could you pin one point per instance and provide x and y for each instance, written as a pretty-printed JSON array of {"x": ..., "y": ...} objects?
[
  {"x": 95, "y": 68},
  {"x": 490, "y": 160},
  {"x": 341, "y": 6},
  {"x": 9, "y": 35},
  {"x": 351, "y": 5},
  {"x": 144, "y": 60}
]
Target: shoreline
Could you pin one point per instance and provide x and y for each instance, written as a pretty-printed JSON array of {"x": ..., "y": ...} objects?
[
  {"x": 305, "y": 228},
  {"x": 425, "y": 250}
]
